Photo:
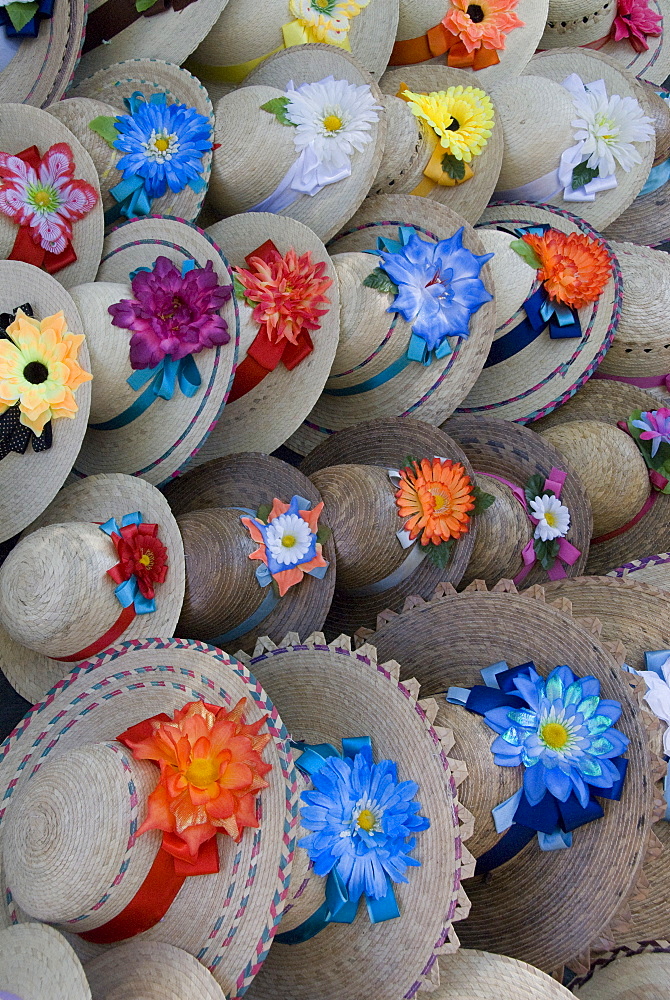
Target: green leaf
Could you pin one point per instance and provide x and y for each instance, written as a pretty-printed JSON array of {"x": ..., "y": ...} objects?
[
  {"x": 526, "y": 251},
  {"x": 408, "y": 462},
  {"x": 440, "y": 555},
  {"x": 277, "y": 107},
  {"x": 546, "y": 552},
  {"x": 535, "y": 488},
  {"x": 482, "y": 501},
  {"x": 238, "y": 288},
  {"x": 380, "y": 280},
  {"x": 323, "y": 534},
  {"x": 105, "y": 127},
  {"x": 142, "y": 5},
  {"x": 453, "y": 167},
  {"x": 21, "y": 13},
  {"x": 582, "y": 174},
  {"x": 264, "y": 512}
]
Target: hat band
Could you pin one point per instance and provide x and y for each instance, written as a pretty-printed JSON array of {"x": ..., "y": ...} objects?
[
  {"x": 406, "y": 568},
  {"x": 114, "y": 16},
  {"x": 646, "y": 507},
  {"x": 661, "y": 559},
  {"x": 439, "y": 41},
  {"x": 642, "y": 382}
]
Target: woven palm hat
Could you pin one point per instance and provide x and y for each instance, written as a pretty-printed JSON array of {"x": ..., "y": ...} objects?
[
  {"x": 151, "y": 971},
  {"x": 241, "y": 40},
  {"x": 480, "y": 975},
  {"x": 117, "y": 31},
  {"x": 351, "y": 472},
  {"x": 22, "y": 127},
  {"x": 73, "y": 794},
  {"x": 506, "y": 455},
  {"x": 419, "y": 18},
  {"x": 37, "y": 963},
  {"x": 446, "y": 642},
  {"x": 256, "y": 152},
  {"x": 328, "y": 693},
  {"x": 411, "y": 142},
  {"x": 362, "y": 384},
  {"x": 533, "y": 152},
  {"x": 37, "y": 70},
  {"x": 524, "y": 380},
  {"x": 56, "y": 598},
  {"x": 103, "y": 94},
  {"x": 29, "y": 482},
  {"x": 592, "y": 23},
  {"x": 160, "y": 442},
  {"x": 635, "y": 970},
  {"x": 653, "y": 570},
  {"x": 630, "y": 519},
  {"x": 222, "y": 591}
]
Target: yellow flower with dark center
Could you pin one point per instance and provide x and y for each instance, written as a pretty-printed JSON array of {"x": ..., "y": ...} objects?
[{"x": 462, "y": 118}]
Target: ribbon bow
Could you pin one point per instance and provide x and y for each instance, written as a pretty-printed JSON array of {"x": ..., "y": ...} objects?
[
  {"x": 112, "y": 17},
  {"x": 31, "y": 28},
  {"x": 439, "y": 41},
  {"x": 15, "y": 436}
]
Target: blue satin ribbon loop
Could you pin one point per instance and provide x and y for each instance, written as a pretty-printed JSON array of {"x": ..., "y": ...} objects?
[
  {"x": 458, "y": 696},
  {"x": 654, "y": 660},
  {"x": 658, "y": 178},
  {"x": 556, "y": 841},
  {"x": 128, "y": 592},
  {"x": 490, "y": 674},
  {"x": 418, "y": 350}
]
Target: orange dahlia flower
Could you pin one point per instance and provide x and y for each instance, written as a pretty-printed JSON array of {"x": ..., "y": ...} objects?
[
  {"x": 211, "y": 770},
  {"x": 575, "y": 268},
  {"x": 482, "y": 25},
  {"x": 437, "y": 497}
]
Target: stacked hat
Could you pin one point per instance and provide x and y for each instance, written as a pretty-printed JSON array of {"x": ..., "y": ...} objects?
[
  {"x": 479, "y": 975},
  {"x": 653, "y": 570},
  {"x": 635, "y": 970},
  {"x": 39, "y": 49},
  {"x": 153, "y": 970},
  {"x": 37, "y": 963}
]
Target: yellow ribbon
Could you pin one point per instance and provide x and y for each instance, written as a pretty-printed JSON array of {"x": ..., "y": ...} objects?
[{"x": 433, "y": 172}]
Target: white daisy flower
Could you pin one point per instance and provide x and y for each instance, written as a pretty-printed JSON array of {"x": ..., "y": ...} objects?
[
  {"x": 608, "y": 126},
  {"x": 326, "y": 20},
  {"x": 553, "y": 517},
  {"x": 288, "y": 538}
]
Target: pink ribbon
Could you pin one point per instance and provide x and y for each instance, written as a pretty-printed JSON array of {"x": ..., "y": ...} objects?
[
  {"x": 658, "y": 481},
  {"x": 643, "y": 382}
]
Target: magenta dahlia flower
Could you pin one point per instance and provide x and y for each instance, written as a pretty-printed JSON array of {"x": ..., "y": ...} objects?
[
  {"x": 636, "y": 22},
  {"x": 172, "y": 315}
]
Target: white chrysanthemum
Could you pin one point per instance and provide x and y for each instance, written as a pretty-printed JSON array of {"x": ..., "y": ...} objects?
[
  {"x": 552, "y": 515},
  {"x": 326, "y": 20},
  {"x": 609, "y": 126},
  {"x": 288, "y": 538},
  {"x": 333, "y": 117}
]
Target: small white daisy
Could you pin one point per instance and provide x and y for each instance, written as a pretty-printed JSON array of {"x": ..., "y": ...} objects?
[
  {"x": 553, "y": 517},
  {"x": 288, "y": 538}
]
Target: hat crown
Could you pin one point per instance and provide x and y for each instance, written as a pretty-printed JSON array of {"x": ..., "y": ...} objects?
[
  {"x": 578, "y": 22},
  {"x": 513, "y": 277},
  {"x": 407, "y": 149},
  {"x": 502, "y": 532}
]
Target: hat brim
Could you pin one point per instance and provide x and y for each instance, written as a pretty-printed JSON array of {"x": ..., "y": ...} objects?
[
  {"x": 480, "y": 975},
  {"x": 636, "y": 969},
  {"x": 646, "y": 221},
  {"x": 652, "y": 570},
  {"x": 152, "y": 969},
  {"x": 42, "y": 67},
  {"x": 37, "y": 962}
]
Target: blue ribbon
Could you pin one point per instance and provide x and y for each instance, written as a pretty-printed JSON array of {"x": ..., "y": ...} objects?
[
  {"x": 128, "y": 592},
  {"x": 31, "y": 29},
  {"x": 654, "y": 660}
]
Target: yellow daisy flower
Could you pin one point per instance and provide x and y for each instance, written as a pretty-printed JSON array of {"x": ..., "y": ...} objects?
[
  {"x": 462, "y": 117},
  {"x": 39, "y": 370}
]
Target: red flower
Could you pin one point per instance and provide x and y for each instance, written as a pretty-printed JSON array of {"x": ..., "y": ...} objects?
[
  {"x": 636, "y": 22},
  {"x": 141, "y": 554}
]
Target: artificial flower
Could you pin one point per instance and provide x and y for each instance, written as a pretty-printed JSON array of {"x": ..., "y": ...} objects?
[
  {"x": 46, "y": 199},
  {"x": 362, "y": 821},
  {"x": 552, "y": 516},
  {"x": 437, "y": 497},
  {"x": 657, "y": 696},
  {"x": 326, "y": 20},
  {"x": 39, "y": 370},
  {"x": 288, "y": 293},
  {"x": 655, "y": 427},
  {"x": 172, "y": 315},
  {"x": 142, "y": 555},
  {"x": 636, "y": 22},
  {"x": 439, "y": 287},
  {"x": 164, "y": 145},
  {"x": 608, "y": 127},
  {"x": 288, "y": 542},
  {"x": 462, "y": 117},
  {"x": 211, "y": 770},
  {"x": 482, "y": 25},
  {"x": 562, "y": 735},
  {"x": 574, "y": 267}
]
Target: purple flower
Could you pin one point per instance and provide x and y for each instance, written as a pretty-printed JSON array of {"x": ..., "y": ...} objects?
[
  {"x": 655, "y": 427},
  {"x": 172, "y": 315}
]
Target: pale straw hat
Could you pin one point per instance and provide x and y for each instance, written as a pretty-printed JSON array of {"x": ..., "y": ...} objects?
[
  {"x": 446, "y": 642},
  {"x": 243, "y": 38},
  {"x": 631, "y": 971},
  {"x": 22, "y": 127},
  {"x": 481, "y": 975},
  {"x": 79, "y": 862},
  {"x": 56, "y": 598},
  {"x": 30, "y": 481},
  {"x": 410, "y": 142},
  {"x": 103, "y": 94},
  {"x": 653, "y": 570},
  {"x": 37, "y": 963},
  {"x": 224, "y": 603},
  {"x": 160, "y": 442},
  {"x": 174, "y": 28},
  {"x": 37, "y": 70},
  {"x": 150, "y": 971},
  {"x": 506, "y": 455},
  {"x": 591, "y": 23},
  {"x": 630, "y": 518},
  {"x": 418, "y": 17},
  {"x": 373, "y": 343},
  {"x": 524, "y": 380},
  {"x": 327, "y": 693},
  {"x": 256, "y": 151}
]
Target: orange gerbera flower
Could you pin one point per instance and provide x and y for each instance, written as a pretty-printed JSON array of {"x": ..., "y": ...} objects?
[
  {"x": 211, "y": 770},
  {"x": 482, "y": 25},
  {"x": 575, "y": 268},
  {"x": 437, "y": 498}
]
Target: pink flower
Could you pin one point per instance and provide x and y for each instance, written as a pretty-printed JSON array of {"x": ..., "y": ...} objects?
[
  {"x": 635, "y": 21},
  {"x": 172, "y": 315},
  {"x": 45, "y": 197}
]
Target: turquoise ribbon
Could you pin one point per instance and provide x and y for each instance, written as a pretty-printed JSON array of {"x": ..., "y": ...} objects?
[{"x": 128, "y": 592}]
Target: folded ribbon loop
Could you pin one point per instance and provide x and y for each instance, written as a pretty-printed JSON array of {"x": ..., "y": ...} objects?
[{"x": 439, "y": 41}]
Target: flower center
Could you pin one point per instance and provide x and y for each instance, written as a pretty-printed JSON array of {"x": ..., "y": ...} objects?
[
  {"x": 146, "y": 559},
  {"x": 554, "y": 735},
  {"x": 366, "y": 819},
  {"x": 161, "y": 146},
  {"x": 455, "y": 125},
  {"x": 321, "y": 4},
  {"x": 550, "y": 518},
  {"x": 35, "y": 373},
  {"x": 43, "y": 199},
  {"x": 475, "y": 13},
  {"x": 202, "y": 772},
  {"x": 332, "y": 123},
  {"x": 441, "y": 499},
  {"x": 288, "y": 541}
]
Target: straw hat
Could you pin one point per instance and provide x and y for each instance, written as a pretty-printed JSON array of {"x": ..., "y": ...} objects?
[
  {"x": 480, "y": 975},
  {"x": 37, "y": 70},
  {"x": 527, "y": 376},
  {"x": 255, "y": 151},
  {"x": 654, "y": 570},
  {"x": 421, "y": 19},
  {"x": 375, "y": 568},
  {"x": 411, "y": 142},
  {"x": 328, "y": 693},
  {"x": 77, "y": 861},
  {"x": 635, "y": 970},
  {"x": 152, "y": 971},
  {"x": 163, "y": 439},
  {"x": 238, "y": 42},
  {"x": 22, "y": 127},
  {"x": 103, "y": 94},
  {"x": 534, "y": 167},
  {"x": 630, "y": 518},
  {"x": 114, "y": 34},
  {"x": 593, "y": 24},
  {"x": 37, "y": 963},
  {"x": 55, "y": 596},
  {"x": 222, "y": 589},
  {"x": 446, "y": 642},
  {"x": 496, "y": 448},
  {"x": 30, "y": 481},
  {"x": 373, "y": 344}
]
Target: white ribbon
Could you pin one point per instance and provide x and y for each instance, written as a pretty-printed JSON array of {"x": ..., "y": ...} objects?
[{"x": 658, "y": 697}]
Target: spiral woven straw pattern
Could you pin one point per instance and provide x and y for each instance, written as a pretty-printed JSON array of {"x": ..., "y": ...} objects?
[
  {"x": 37, "y": 963},
  {"x": 480, "y": 975},
  {"x": 42, "y": 67},
  {"x": 150, "y": 972}
]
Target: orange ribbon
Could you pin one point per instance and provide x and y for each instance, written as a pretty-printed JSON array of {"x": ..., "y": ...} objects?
[{"x": 436, "y": 42}]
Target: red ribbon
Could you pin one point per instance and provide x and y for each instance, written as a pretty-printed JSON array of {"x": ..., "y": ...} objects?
[
  {"x": 436, "y": 42},
  {"x": 25, "y": 249},
  {"x": 108, "y": 639},
  {"x": 264, "y": 355}
]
